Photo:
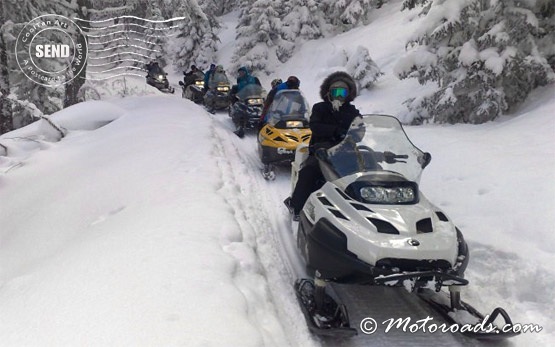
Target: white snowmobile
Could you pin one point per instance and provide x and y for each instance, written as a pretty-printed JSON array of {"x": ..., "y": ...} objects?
[{"x": 370, "y": 224}]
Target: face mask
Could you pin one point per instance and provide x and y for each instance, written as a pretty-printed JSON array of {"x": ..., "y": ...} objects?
[{"x": 336, "y": 104}]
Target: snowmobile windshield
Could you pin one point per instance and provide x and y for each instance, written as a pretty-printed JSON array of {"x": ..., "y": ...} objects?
[
  {"x": 218, "y": 79},
  {"x": 156, "y": 70},
  {"x": 379, "y": 144},
  {"x": 288, "y": 105},
  {"x": 198, "y": 76},
  {"x": 251, "y": 91}
]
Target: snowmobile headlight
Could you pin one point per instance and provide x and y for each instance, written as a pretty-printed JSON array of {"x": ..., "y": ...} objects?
[
  {"x": 388, "y": 195},
  {"x": 384, "y": 190},
  {"x": 223, "y": 89},
  {"x": 255, "y": 101},
  {"x": 199, "y": 83},
  {"x": 294, "y": 124},
  {"x": 160, "y": 77}
]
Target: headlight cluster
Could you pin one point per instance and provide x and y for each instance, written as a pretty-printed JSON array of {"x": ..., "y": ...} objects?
[
  {"x": 255, "y": 101},
  {"x": 388, "y": 195},
  {"x": 223, "y": 89},
  {"x": 384, "y": 192},
  {"x": 160, "y": 77},
  {"x": 199, "y": 83}
]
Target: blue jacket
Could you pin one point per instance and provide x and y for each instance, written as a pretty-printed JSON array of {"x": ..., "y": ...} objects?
[{"x": 247, "y": 79}]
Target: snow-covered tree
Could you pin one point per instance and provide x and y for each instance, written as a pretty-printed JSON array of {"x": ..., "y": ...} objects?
[
  {"x": 363, "y": 69},
  {"x": 483, "y": 55},
  {"x": 6, "y": 120},
  {"x": 346, "y": 14},
  {"x": 23, "y": 97},
  {"x": 258, "y": 35},
  {"x": 196, "y": 42},
  {"x": 302, "y": 21}
]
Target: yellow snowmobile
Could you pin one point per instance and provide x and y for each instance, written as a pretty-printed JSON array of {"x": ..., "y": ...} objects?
[{"x": 285, "y": 127}]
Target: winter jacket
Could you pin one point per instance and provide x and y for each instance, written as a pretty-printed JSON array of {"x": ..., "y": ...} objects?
[
  {"x": 328, "y": 126},
  {"x": 247, "y": 79}
]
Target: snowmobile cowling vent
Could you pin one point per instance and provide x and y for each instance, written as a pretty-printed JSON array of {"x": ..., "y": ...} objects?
[
  {"x": 383, "y": 226},
  {"x": 424, "y": 226},
  {"x": 442, "y": 217}
]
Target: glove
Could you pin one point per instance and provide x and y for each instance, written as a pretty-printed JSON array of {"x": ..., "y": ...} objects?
[{"x": 339, "y": 134}]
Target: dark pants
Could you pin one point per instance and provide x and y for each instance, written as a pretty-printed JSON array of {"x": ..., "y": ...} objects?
[{"x": 310, "y": 179}]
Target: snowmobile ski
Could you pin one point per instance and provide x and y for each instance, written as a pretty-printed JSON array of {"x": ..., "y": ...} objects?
[
  {"x": 484, "y": 328},
  {"x": 332, "y": 321},
  {"x": 268, "y": 172}
]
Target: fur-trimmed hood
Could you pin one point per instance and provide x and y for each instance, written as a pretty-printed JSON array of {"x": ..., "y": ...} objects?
[{"x": 338, "y": 76}]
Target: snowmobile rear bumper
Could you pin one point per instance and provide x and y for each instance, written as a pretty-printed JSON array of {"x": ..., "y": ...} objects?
[{"x": 325, "y": 249}]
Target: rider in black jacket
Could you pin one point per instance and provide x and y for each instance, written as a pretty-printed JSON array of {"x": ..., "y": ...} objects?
[{"x": 329, "y": 121}]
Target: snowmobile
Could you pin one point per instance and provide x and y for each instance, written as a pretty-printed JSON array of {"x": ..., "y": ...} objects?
[
  {"x": 217, "y": 96},
  {"x": 286, "y": 127},
  {"x": 245, "y": 111},
  {"x": 157, "y": 78},
  {"x": 193, "y": 86},
  {"x": 370, "y": 224}
]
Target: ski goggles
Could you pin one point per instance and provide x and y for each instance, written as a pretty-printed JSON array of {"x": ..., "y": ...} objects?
[{"x": 339, "y": 93}]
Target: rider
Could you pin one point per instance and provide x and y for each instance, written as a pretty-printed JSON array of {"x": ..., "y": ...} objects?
[
  {"x": 210, "y": 89},
  {"x": 207, "y": 76},
  {"x": 191, "y": 76},
  {"x": 244, "y": 78},
  {"x": 329, "y": 122},
  {"x": 152, "y": 67}
]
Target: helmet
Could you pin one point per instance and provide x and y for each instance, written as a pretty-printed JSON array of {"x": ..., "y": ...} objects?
[
  {"x": 293, "y": 82},
  {"x": 357, "y": 129},
  {"x": 220, "y": 68},
  {"x": 276, "y": 82},
  {"x": 212, "y": 66}
]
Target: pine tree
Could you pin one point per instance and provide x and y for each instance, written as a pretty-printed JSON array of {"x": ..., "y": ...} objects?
[
  {"x": 6, "y": 120},
  {"x": 302, "y": 21},
  {"x": 72, "y": 88},
  {"x": 258, "y": 37},
  {"x": 363, "y": 69},
  {"x": 346, "y": 14},
  {"x": 196, "y": 42},
  {"x": 28, "y": 99},
  {"x": 482, "y": 54}
]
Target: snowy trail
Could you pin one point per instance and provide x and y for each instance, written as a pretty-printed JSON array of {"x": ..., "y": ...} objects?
[
  {"x": 256, "y": 217},
  {"x": 276, "y": 244}
]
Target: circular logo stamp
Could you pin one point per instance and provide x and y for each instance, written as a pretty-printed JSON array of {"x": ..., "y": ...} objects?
[{"x": 51, "y": 50}]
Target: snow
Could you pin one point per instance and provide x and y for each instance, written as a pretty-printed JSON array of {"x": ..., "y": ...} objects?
[{"x": 149, "y": 223}]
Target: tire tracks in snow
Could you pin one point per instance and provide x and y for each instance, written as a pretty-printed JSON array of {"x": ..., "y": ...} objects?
[{"x": 260, "y": 270}]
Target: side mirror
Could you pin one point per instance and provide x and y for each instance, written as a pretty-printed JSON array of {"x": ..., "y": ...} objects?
[
  {"x": 425, "y": 159},
  {"x": 181, "y": 83}
]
